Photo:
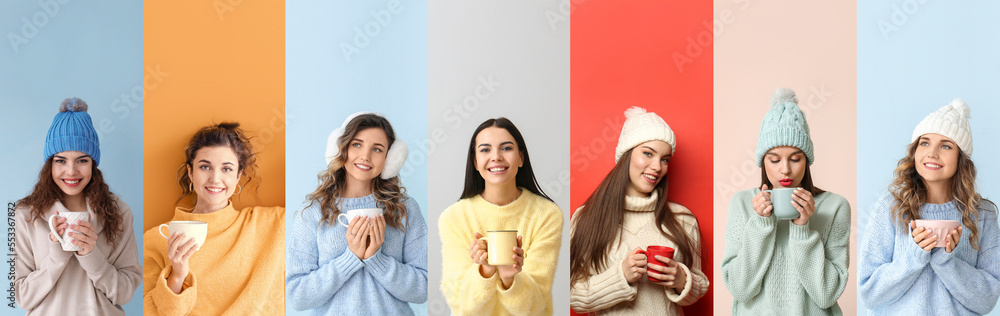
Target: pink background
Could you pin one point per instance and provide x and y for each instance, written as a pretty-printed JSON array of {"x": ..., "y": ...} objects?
[{"x": 810, "y": 48}]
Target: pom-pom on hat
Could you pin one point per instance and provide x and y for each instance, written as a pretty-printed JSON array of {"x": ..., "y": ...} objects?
[
  {"x": 394, "y": 159},
  {"x": 951, "y": 121},
  {"x": 640, "y": 127},
  {"x": 73, "y": 130},
  {"x": 784, "y": 125}
]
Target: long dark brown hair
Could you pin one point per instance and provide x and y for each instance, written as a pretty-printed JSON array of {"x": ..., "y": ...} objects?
[
  {"x": 226, "y": 134},
  {"x": 598, "y": 225},
  {"x": 910, "y": 192},
  {"x": 97, "y": 193},
  {"x": 388, "y": 193},
  {"x": 474, "y": 182}
]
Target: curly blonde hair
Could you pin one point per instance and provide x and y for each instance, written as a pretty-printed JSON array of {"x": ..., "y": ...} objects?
[
  {"x": 910, "y": 192},
  {"x": 388, "y": 194}
]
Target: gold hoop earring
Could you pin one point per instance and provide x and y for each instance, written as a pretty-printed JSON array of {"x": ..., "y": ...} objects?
[
  {"x": 240, "y": 189},
  {"x": 190, "y": 187}
]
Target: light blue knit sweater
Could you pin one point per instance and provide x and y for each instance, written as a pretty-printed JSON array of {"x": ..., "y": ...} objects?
[
  {"x": 899, "y": 278},
  {"x": 325, "y": 276}
]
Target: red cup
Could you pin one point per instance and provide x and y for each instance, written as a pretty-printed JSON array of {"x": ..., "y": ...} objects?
[{"x": 653, "y": 251}]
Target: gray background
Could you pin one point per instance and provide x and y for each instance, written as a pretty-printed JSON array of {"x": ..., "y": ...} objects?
[{"x": 515, "y": 46}]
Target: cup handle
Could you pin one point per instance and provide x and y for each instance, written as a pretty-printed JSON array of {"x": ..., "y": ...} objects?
[
  {"x": 345, "y": 222},
  {"x": 160, "y": 230},
  {"x": 487, "y": 240},
  {"x": 644, "y": 253},
  {"x": 53, "y": 229}
]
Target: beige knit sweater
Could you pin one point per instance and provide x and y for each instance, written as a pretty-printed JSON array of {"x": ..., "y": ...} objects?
[
  {"x": 50, "y": 281},
  {"x": 608, "y": 293}
]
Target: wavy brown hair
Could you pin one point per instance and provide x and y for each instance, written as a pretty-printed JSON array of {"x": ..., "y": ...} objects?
[
  {"x": 388, "y": 193},
  {"x": 97, "y": 193},
  {"x": 910, "y": 192},
  {"x": 596, "y": 227},
  {"x": 226, "y": 134}
]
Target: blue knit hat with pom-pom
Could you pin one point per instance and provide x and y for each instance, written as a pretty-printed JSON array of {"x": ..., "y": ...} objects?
[
  {"x": 784, "y": 125},
  {"x": 73, "y": 130}
]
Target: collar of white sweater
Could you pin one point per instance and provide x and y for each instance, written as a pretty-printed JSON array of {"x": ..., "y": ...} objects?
[{"x": 641, "y": 204}]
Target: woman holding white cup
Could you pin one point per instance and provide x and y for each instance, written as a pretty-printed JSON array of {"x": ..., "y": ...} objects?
[
  {"x": 74, "y": 238},
  {"x": 501, "y": 194},
  {"x": 374, "y": 262},
  {"x": 795, "y": 266},
  {"x": 237, "y": 265}
]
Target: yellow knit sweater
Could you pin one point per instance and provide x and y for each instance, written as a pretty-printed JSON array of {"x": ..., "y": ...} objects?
[
  {"x": 540, "y": 223},
  {"x": 240, "y": 270}
]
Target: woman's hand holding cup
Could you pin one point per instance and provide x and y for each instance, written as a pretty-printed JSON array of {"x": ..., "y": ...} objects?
[
  {"x": 924, "y": 238},
  {"x": 762, "y": 202},
  {"x": 357, "y": 235},
  {"x": 508, "y": 272},
  {"x": 634, "y": 265},
  {"x": 61, "y": 226},
  {"x": 180, "y": 248},
  {"x": 376, "y": 230},
  {"x": 670, "y": 275},
  {"x": 479, "y": 253},
  {"x": 84, "y": 236}
]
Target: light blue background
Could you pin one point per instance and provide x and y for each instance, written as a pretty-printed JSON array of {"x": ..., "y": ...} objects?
[
  {"x": 388, "y": 75},
  {"x": 940, "y": 51},
  {"x": 88, "y": 50}
]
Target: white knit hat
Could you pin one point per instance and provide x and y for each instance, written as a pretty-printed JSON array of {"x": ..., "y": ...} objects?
[
  {"x": 951, "y": 121},
  {"x": 640, "y": 127}
]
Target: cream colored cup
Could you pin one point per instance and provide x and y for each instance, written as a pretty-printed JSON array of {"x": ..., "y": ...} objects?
[
  {"x": 71, "y": 218},
  {"x": 366, "y": 212},
  {"x": 192, "y": 229},
  {"x": 500, "y": 246}
]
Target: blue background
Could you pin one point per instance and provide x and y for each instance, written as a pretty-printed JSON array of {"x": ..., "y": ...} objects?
[
  {"x": 88, "y": 50},
  {"x": 323, "y": 87},
  {"x": 931, "y": 53}
]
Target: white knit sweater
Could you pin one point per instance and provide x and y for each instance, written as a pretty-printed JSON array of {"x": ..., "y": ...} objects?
[{"x": 608, "y": 293}]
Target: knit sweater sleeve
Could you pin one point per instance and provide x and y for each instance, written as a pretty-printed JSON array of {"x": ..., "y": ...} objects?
[
  {"x": 696, "y": 284},
  {"x": 157, "y": 298},
  {"x": 602, "y": 290},
  {"x": 308, "y": 282},
  {"x": 887, "y": 270},
  {"x": 116, "y": 275},
  {"x": 822, "y": 264},
  {"x": 466, "y": 291},
  {"x": 531, "y": 291},
  {"x": 976, "y": 287},
  {"x": 406, "y": 280},
  {"x": 751, "y": 240},
  {"x": 33, "y": 282}
]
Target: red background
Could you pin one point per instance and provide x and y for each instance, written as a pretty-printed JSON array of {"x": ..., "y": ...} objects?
[{"x": 623, "y": 55}]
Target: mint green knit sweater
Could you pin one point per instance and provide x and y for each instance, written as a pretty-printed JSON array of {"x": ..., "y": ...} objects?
[{"x": 775, "y": 267}]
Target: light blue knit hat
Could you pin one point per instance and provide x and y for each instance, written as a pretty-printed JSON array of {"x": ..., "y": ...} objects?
[
  {"x": 784, "y": 125},
  {"x": 72, "y": 130}
]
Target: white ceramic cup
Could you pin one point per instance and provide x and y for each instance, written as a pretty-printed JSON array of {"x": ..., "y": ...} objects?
[
  {"x": 500, "y": 247},
  {"x": 367, "y": 212},
  {"x": 192, "y": 229},
  {"x": 71, "y": 218}
]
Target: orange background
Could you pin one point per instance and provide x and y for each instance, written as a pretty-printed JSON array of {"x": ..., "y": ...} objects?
[
  {"x": 622, "y": 56},
  {"x": 222, "y": 62}
]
